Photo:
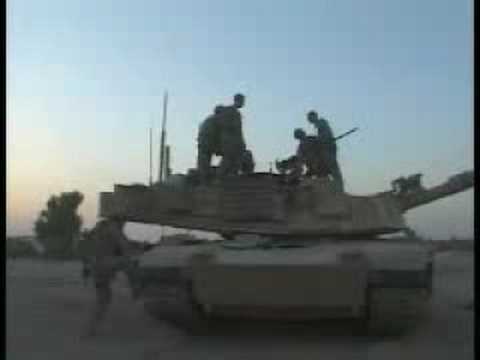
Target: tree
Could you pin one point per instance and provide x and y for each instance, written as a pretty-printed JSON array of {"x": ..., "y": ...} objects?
[{"x": 59, "y": 224}]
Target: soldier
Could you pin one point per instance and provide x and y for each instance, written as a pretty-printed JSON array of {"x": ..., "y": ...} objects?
[
  {"x": 109, "y": 252},
  {"x": 232, "y": 143},
  {"x": 325, "y": 135},
  {"x": 308, "y": 155},
  {"x": 208, "y": 142}
]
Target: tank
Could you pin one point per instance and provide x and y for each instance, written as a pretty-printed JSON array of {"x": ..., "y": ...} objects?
[{"x": 291, "y": 253}]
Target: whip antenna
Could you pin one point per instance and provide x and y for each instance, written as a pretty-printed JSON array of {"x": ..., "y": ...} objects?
[
  {"x": 162, "y": 140},
  {"x": 150, "y": 155}
]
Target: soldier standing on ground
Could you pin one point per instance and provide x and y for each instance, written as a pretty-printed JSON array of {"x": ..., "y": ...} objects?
[
  {"x": 110, "y": 253},
  {"x": 232, "y": 142},
  {"x": 329, "y": 146}
]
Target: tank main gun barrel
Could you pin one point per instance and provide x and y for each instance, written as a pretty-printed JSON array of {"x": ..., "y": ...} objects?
[{"x": 418, "y": 197}]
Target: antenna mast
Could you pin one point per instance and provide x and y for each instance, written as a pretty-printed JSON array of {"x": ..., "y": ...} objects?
[
  {"x": 162, "y": 140},
  {"x": 167, "y": 161},
  {"x": 150, "y": 152}
]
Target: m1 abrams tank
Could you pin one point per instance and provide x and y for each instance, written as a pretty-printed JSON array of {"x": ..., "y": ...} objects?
[{"x": 316, "y": 253}]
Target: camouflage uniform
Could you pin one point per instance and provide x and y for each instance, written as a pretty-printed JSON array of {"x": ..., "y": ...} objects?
[
  {"x": 328, "y": 147},
  {"x": 110, "y": 254},
  {"x": 232, "y": 142},
  {"x": 208, "y": 142}
]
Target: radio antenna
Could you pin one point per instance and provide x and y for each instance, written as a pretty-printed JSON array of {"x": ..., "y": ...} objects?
[
  {"x": 150, "y": 154},
  {"x": 162, "y": 139}
]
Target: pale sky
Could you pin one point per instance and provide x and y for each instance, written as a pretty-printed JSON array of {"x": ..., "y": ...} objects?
[{"x": 85, "y": 81}]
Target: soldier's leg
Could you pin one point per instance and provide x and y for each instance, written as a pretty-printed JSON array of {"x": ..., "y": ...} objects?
[
  {"x": 103, "y": 299},
  {"x": 103, "y": 294},
  {"x": 336, "y": 173},
  {"x": 134, "y": 281},
  {"x": 86, "y": 271},
  {"x": 231, "y": 159},
  {"x": 321, "y": 172},
  {"x": 225, "y": 167},
  {"x": 203, "y": 159},
  {"x": 203, "y": 163},
  {"x": 314, "y": 167},
  {"x": 236, "y": 163},
  {"x": 247, "y": 164}
]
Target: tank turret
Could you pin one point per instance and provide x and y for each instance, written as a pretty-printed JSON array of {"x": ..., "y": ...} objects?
[{"x": 262, "y": 204}]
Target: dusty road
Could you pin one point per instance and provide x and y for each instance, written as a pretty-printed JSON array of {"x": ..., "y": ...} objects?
[{"x": 47, "y": 306}]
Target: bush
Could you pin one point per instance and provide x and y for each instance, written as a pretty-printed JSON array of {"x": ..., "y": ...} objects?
[
  {"x": 59, "y": 224},
  {"x": 20, "y": 248}
]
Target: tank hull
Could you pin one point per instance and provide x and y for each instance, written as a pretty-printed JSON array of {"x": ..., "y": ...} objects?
[{"x": 382, "y": 283}]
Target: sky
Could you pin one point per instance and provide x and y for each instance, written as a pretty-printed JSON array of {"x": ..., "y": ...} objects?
[{"x": 85, "y": 82}]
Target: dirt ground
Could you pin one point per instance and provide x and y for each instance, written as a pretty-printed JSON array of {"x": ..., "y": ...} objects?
[{"x": 47, "y": 306}]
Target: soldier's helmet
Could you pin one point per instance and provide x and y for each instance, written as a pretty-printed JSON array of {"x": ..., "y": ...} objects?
[
  {"x": 299, "y": 134},
  {"x": 312, "y": 115},
  {"x": 239, "y": 100}
]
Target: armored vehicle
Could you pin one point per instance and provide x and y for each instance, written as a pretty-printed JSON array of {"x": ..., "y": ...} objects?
[{"x": 291, "y": 253}]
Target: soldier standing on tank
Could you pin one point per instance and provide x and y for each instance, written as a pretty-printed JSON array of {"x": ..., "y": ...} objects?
[
  {"x": 329, "y": 146},
  {"x": 110, "y": 252},
  {"x": 232, "y": 142},
  {"x": 208, "y": 143}
]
